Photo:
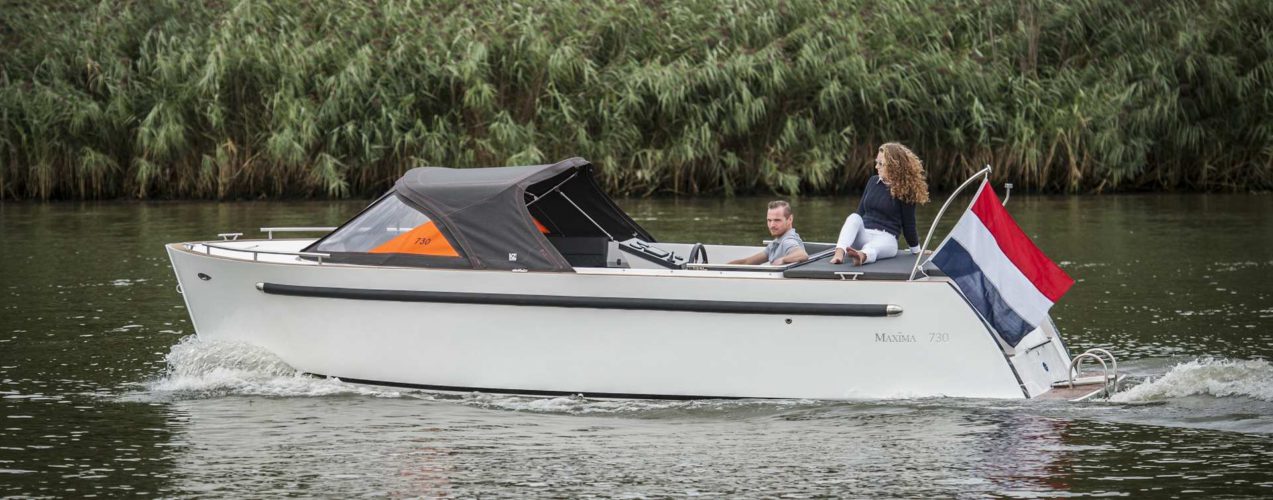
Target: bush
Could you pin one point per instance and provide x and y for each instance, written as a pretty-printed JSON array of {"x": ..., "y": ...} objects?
[{"x": 170, "y": 98}]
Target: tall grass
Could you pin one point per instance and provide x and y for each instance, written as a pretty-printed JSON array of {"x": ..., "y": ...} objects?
[{"x": 234, "y": 99}]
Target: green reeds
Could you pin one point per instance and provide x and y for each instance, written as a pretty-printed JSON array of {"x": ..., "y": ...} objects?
[{"x": 246, "y": 99}]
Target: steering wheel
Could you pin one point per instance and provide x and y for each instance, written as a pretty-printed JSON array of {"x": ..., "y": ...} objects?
[{"x": 698, "y": 250}]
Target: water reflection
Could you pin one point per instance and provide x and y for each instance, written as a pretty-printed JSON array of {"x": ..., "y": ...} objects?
[{"x": 411, "y": 447}]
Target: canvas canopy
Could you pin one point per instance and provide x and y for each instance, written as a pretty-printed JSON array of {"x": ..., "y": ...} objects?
[{"x": 487, "y": 218}]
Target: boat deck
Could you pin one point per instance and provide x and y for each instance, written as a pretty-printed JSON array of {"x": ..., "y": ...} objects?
[{"x": 894, "y": 269}]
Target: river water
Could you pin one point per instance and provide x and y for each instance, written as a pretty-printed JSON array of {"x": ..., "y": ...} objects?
[{"x": 104, "y": 390}]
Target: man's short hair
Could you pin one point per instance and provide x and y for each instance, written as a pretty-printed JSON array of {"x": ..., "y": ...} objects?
[{"x": 786, "y": 207}]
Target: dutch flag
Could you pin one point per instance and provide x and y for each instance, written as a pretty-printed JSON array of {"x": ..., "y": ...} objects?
[{"x": 1005, "y": 277}]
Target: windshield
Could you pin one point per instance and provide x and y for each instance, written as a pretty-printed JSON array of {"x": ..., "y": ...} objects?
[{"x": 390, "y": 226}]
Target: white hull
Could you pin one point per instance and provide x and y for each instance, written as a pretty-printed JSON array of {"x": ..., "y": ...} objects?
[{"x": 937, "y": 346}]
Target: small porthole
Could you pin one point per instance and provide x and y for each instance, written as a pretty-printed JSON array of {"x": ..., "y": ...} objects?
[
  {"x": 788, "y": 321},
  {"x": 204, "y": 277}
]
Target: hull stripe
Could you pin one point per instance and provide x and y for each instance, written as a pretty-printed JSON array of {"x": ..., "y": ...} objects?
[
  {"x": 623, "y": 303},
  {"x": 529, "y": 392}
]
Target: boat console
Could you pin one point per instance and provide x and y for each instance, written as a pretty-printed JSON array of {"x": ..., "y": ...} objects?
[
  {"x": 650, "y": 253},
  {"x": 599, "y": 251},
  {"x": 585, "y": 251}
]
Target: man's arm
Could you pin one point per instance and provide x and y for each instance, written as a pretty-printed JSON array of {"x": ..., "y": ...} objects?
[
  {"x": 759, "y": 258},
  {"x": 796, "y": 254}
]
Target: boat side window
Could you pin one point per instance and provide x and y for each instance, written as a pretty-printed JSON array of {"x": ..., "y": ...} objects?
[{"x": 390, "y": 226}]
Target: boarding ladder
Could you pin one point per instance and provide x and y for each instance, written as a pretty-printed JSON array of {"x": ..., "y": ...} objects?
[{"x": 1108, "y": 376}]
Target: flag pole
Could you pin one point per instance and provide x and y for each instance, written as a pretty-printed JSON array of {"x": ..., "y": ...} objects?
[{"x": 980, "y": 173}]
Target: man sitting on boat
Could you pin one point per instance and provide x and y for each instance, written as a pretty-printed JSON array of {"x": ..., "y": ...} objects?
[{"x": 786, "y": 247}]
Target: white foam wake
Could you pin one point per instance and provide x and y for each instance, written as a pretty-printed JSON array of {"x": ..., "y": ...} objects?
[
  {"x": 582, "y": 406},
  {"x": 199, "y": 368},
  {"x": 206, "y": 368},
  {"x": 1219, "y": 378}
]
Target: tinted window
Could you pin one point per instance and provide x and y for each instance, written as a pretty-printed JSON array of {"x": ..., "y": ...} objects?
[{"x": 390, "y": 226}]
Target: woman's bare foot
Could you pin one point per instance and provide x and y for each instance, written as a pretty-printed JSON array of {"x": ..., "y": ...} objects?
[
  {"x": 838, "y": 257},
  {"x": 857, "y": 255}
]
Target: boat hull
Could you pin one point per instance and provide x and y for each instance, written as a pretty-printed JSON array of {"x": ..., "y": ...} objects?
[{"x": 936, "y": 346}]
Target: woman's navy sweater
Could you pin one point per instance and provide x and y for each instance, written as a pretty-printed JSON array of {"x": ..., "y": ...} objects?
[{"x": 880, "y": 210}]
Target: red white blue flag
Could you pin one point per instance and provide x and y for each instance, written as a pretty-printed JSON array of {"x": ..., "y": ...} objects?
[{"x": 1001, "y": 272}]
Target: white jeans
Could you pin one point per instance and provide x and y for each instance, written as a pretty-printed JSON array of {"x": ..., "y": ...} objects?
[{"x": 876, "y": 244}]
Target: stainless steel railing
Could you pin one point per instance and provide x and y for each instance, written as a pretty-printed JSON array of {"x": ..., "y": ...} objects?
[
  {"x": 208, "y": 246},
  {"x": 920, "y": 261},
  {"x": 1108, "y": 377}
]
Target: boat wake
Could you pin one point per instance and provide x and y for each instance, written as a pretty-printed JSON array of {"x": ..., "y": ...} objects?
[
  {"x": 646, "y": 408},
  {"x": 202, "y": 369},
  {"x": 199, "y": 369},
  {"x": 1206, "y": 377}
]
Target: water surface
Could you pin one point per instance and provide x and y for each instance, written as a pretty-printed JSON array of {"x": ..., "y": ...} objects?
[{"x": 104, "y": 390}]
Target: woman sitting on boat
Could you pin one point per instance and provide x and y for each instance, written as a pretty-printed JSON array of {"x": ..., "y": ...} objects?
[{"x": 887, "y": 208}]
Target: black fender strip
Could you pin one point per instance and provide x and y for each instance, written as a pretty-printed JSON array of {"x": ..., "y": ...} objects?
[
  {"x": 530, "y": 392},
  {"x": 623, "y": 303}
]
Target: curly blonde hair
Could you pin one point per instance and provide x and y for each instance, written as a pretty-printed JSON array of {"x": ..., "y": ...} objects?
[{"x": 906, "y": 176}]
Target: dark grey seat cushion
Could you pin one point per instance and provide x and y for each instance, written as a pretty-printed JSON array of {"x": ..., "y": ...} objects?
[{"x": 896, "y": 268}]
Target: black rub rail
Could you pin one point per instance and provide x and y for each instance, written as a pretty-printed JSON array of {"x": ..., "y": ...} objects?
[{"x": 624, "y": 303}]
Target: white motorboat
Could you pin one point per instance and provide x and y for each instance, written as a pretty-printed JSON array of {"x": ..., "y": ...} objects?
[{"x": 530, "y": 280}]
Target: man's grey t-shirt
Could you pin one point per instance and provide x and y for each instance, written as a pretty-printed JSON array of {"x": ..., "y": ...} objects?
[{"x": 783, "y": 245}]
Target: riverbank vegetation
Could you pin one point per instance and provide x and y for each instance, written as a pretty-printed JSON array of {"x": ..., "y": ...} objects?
[{"x": 246, "y": 99}]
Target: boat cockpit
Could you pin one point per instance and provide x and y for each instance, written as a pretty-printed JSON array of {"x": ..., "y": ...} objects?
[{"x": 541, "y": 218}]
